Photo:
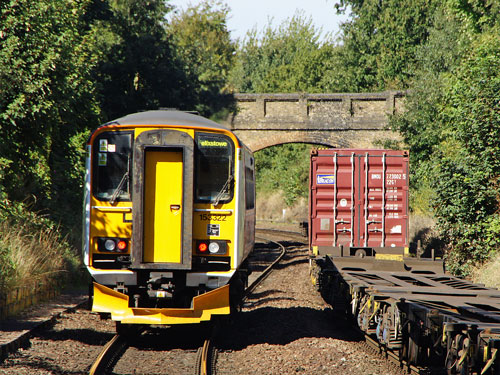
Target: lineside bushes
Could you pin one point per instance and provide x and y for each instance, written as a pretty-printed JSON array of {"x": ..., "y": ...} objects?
[{"x": 32, "y": 250}]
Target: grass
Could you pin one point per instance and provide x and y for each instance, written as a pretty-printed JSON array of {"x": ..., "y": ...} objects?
[
  {"x": 32, "y": 255},
  {"x": 271, "y": 206},
  {"x": 487, "y": 273}
]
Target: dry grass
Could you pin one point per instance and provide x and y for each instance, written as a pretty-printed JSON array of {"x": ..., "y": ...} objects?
[
  {"x": 272, "y": 207},
  {"x": 29, "y": 256},
  {"x": 487, "y": 273}
]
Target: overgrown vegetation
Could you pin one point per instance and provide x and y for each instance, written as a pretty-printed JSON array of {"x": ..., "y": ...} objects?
[
  {"x": 31, "y": 256},
  {"x": 67, "y": 66},
  {"x": 452, "y": 125},
  {"x": 285, "y": 168}
]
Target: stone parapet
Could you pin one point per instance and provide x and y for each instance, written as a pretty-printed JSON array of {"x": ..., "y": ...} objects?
[{"x": 312, "y": 118}]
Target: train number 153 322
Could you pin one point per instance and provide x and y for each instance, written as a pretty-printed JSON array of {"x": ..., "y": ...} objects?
[{"x": 212, "y": 217}]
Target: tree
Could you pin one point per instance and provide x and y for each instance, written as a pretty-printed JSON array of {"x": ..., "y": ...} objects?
[
  {"x": 137, "y": 69},
  {"x": 380, "y": 42},
  {"x": 451, "y": 125},
  {"x": 202, "y": 43},
  {"x": 47, "y": 98},
  {"x": 290, "y": 58},
  {"x": 468, "y": 200}
]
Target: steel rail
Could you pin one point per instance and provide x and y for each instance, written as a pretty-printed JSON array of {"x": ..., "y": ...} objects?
[
  {"x": 108, "y": 355},
  {"x": 206, "y": 358},
  {"x": 267, "y": 271},
  {"x": 282, "y": 231},
  {"x": 207, "y": 354}
]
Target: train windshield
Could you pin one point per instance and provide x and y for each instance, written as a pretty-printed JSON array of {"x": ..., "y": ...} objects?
[
  {"x": 213, "y": 168},
  {"x": 112, "y": 166}
]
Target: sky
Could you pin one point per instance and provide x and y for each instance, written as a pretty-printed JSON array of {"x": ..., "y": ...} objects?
[{"x": 245, "y": 14}]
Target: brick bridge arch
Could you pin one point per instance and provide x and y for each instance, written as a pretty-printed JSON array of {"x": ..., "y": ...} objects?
[{"x": 334, "y": 120}]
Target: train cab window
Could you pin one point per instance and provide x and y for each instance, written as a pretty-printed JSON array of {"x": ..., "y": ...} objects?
[
  {"x": 112, "y": 166},
  {"x": 214, "y": 174}
]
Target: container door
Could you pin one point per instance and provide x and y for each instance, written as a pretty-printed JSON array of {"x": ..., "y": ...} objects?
[
  {"x": 333, "y": 199},
  {"x": 322, "y": 184},
  {"x": 374, "y": 200},
  {"x": 385, "y": 201},
  {"x": 345, "y": 199},
  {"x": 163, "y": 205}
]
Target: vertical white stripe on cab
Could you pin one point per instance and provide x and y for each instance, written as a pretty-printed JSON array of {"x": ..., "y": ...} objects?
[
  {"x": 86, "y": 205},
  {"x": 237, "y": 225}
]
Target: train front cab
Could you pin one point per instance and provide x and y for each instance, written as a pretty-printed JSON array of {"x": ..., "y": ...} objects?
[{"x": 168, "y": 222}]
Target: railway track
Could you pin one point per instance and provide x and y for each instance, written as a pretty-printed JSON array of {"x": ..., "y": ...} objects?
[
  {"x": 206, "y": 354},
  {"x": 397, "y": 363},
  {"x": 109, "y": 354}
]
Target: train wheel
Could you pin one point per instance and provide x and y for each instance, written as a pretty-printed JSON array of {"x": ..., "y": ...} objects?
[{"x": 457, "y": 361}]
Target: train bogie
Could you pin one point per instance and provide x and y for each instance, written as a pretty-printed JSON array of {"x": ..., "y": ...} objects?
[{"x": 169, "y": 217}]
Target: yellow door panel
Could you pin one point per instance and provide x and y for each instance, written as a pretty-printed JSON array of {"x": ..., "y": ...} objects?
[{"x": 163, "y": 206}]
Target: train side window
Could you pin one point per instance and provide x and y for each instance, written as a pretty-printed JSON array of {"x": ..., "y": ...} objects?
[
  {"x": 112, "y": 166},
  {"x": 249, "y": 186},
  {"x": 214, "y": 174}
]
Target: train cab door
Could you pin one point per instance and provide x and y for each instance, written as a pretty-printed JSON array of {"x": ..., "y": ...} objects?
[{"x": 163, "y": 200}]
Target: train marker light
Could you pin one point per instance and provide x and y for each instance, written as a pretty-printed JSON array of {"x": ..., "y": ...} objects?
[
  {"x": 122, "y": 245},
  {"x": 202, "y": 247}
]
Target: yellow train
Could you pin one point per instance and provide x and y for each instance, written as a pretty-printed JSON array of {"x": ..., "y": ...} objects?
[{"x": 169, "y": 218}]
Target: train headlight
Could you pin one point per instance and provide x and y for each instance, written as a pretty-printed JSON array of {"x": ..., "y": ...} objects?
[
  {"x": 213, "y": 247},
  {"x": 109, "y": 245},
  {"x": 112, "y": 245}
]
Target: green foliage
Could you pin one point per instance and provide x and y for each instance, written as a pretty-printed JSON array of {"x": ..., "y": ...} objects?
[
  {"x": 468, "y": 188},
  {"x": 45, "y": 67},
  {"x": 284, "y": 167},
  {"x": 287, "y": 59},
  {"x": 380, "y": 43},
  {"x": 452, "y": 127},
  {"x": 202, "y": 43},
  {"x": 137, "y": 68}
]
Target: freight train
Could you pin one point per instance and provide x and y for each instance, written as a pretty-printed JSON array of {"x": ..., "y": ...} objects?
[
  {"x": 427, "y": 320},
  {"x": 169, "y": 218}
]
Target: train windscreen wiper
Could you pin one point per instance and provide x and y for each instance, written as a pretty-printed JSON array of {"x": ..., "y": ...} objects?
[
  {"x": 119, "y": 188},
  {"x": 225, "y": 189}
]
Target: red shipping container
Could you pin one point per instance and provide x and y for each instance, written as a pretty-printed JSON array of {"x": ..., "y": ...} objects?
[{"x": 358, "y": 202}]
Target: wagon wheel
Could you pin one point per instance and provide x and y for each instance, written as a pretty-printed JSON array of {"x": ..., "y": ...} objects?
[
  {"x": 457, "y": 361},
  {"x": 390, "y": 335}
]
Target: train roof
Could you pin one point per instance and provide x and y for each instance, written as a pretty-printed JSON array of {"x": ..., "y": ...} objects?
[{"x": 166, "y": 117}]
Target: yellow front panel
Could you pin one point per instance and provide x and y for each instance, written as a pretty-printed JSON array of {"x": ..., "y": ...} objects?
[{"x": 163, "y": 206}]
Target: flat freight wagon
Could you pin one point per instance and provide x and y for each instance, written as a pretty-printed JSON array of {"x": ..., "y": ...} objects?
[{"x": 424, "y": 319}]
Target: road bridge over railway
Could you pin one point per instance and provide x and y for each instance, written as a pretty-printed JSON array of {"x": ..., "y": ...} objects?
[{"x": 336, "y": 120}]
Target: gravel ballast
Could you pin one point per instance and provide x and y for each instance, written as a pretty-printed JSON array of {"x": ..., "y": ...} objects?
[{"x": 284, "y": 327}]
